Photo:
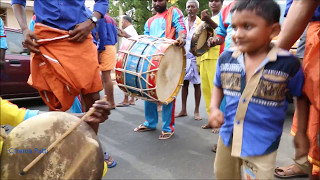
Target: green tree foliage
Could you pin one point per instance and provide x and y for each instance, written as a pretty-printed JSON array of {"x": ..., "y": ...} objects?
[{"x": 140, "y": 10}]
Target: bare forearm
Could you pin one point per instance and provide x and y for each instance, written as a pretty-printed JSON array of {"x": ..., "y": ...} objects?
[
  {"x": 211, "y": 23},
  {"x": 216, "y": 98},
  {"x": 2, "y": 54},
  {"x": 302, "y": 108},
  {"x": 20, "y": 13},
  {"x": 295, "y": 23},
  {"x": 97, "y": 15}
]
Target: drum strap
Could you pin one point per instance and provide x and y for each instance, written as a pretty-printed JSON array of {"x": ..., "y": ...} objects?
[{"x": 170, "y": 31}]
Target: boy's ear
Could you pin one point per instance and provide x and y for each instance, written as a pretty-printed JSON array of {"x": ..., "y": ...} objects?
[{"x": 275, "y": 30}]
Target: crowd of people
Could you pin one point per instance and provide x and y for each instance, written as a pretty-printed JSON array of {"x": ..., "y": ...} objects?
[{"x": 244, "y": 77}]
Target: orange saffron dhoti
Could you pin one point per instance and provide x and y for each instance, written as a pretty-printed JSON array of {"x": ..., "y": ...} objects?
[
  {"x": 63, "y": 69},
  {"x": 311, "y": 89}
]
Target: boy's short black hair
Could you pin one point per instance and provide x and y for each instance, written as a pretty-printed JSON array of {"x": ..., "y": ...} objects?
[
  {"x": 128, "y": 18},
  {"x": 269, "y": 10}
]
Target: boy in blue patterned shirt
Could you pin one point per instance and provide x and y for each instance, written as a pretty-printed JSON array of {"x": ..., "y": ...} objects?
[{"x": 254, "y": 79}]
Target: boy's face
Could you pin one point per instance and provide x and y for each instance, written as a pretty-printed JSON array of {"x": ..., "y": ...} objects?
[{"x": 251, "y": 32}]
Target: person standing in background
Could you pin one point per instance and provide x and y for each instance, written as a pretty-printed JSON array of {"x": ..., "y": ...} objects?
[
  {"x": 127, "y": 31},
  {"x": 192, "y": 21},
  {"x": 155, "y": 26},
  {"x": 107, "y": 31}
]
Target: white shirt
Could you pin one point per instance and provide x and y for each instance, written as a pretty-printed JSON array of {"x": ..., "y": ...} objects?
[{"x": 130, "y": 31}]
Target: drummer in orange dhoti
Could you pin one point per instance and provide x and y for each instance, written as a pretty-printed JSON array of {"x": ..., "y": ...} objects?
[
  {"x": 173, "y": 28},
  {"x": 192, "y": 73},
  {"x": 65, "y": 63}
]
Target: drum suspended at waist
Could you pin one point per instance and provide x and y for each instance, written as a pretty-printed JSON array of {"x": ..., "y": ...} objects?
[
  {"x": 151, "y": 68},
  {"x": 77, "y": 156}
]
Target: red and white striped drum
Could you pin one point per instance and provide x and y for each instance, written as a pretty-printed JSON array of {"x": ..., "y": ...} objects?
[{"x": 150, "y": 68}]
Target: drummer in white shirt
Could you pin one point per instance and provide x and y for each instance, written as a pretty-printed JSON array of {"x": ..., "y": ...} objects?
[{"x": 127, "y": 31}]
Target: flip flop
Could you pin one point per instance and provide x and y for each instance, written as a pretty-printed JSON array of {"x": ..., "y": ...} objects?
[
  {"x": 215, "y": 130},
  {"x": 142, "y": 128},
  {"x": 122, "y": 104},
  {"x": 109, "y": 159},
  {"x": 165, "y": 135},
  {"x": 206, "y": 126},
  {"x": 214, "y": 148},
  {"x": 288, "y": 172}
]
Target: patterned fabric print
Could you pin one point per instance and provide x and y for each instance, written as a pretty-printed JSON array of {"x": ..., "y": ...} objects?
[
  {"x": 231, "y": 81},
  {"x": 270, "y": 88}
]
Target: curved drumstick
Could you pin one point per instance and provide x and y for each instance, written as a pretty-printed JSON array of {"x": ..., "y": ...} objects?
[{"x": 37, "y": 159}]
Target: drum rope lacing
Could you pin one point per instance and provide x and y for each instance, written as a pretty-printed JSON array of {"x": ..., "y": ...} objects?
[{"x": 140, "y": 73}]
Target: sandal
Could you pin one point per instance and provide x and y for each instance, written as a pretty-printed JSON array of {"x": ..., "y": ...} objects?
[
  {"x": 215, "y": 130},
  {"x": 142, "y": 128},
  {"x": 206, "y": 126},
  {"x": 288, "y": 172},
  {"x": 214, "y": 148},
  {"x": 122, "y": 104},
  {"x": 165, "y": 135},
  {"x": 108, "y": 159}
]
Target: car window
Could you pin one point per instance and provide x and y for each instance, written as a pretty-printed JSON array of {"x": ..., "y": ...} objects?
[{"x": 14, "y": 41}]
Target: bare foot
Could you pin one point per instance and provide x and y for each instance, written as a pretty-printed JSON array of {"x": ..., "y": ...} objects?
[
  {"x": 132, "y": 102},
  {"x": 113, "y": 106},
  {"x": 181, "y": 114},
  {"x": 215, "y": 130},
  {"x": 197, "y": 117}
]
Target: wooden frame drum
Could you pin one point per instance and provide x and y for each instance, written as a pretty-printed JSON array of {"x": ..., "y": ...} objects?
[{"x": 77, "y": 156}]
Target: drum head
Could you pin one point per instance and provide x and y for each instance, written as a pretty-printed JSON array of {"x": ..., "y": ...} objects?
[
  {"x": 199, "y": 39},
  {"x": 202, "y": 39},
  {"x": 170, "y": 74},
  {"x": 78, "y": 156}
]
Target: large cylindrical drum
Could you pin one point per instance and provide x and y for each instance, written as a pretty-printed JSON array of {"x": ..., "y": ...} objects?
[
  {"x": 151, "y": 68},
  {"x": 77, "y": 156}
]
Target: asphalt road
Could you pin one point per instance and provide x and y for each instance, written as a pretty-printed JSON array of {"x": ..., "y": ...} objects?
[{"x": 187, "y": 155}]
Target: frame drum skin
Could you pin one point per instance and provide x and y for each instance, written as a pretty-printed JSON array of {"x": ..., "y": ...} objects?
[
  {"x": 199, "y": 39},
  {"x": 77, "y": 156}
]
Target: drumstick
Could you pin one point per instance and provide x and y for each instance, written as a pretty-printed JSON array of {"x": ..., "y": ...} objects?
[{"x": 37, "y": 159}]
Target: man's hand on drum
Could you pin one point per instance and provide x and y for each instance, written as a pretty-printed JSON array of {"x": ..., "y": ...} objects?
[
  {"x": 181, "y": 40},
  {"x": 211, "y": 42},
  {"x": 101, "y": 113}
]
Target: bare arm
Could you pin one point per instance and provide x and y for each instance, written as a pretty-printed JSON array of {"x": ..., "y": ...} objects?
[
  {"x": 2, "y": 55},
  {"x": 301, "y": 140},
  {"x": 20, "y": 13},
  {"x": 205, "y": 16},
  {"x": 181, "y": 40},
  {"x": 216, "y": 115},
  {"x": 28, "y": 35},
  {"x": 81, "y": 31},
  {"x": 299, "y": 15}
]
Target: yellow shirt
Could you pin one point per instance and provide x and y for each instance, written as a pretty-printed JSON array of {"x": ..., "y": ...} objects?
[{"x": 12, "y": 115}]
